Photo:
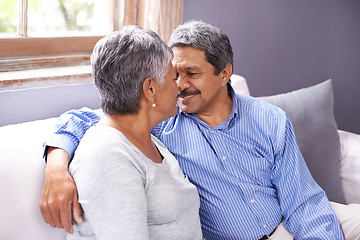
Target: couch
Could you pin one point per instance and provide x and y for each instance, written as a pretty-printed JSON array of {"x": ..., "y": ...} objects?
[{"x": 332, "y": 155}]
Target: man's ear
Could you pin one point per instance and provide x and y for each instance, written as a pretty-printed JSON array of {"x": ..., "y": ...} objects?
[
  {"x": 226, "y": 73},
  {"x": 149, "y": 88}
]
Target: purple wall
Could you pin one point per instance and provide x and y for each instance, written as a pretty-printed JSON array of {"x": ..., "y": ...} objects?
[
  {"x": 284, "y": 45},
  {"x": 36, "y": 104}
]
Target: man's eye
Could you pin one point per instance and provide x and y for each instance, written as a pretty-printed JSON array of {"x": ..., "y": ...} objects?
[
  {"x": 177, "y": 77},
  {"x": 190, "y": 74}
]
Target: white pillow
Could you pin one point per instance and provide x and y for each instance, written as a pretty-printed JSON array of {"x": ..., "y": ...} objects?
[
  {"x": 349, "y": 218},
  {"x": 239, "y": 84},
  {"x": 350, "y": 165}
]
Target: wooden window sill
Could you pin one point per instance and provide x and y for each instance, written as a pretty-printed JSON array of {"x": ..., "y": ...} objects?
[{"x": 45, "y": 77}]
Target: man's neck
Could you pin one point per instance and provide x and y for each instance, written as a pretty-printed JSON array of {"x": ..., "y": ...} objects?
[{"x": 220, "y": 113}]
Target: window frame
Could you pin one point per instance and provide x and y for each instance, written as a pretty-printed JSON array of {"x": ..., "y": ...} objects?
[
  {"x": 23, "y": 53},
  {"x": 23, "y": 48}
]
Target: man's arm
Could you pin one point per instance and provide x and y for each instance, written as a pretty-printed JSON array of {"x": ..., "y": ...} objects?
[
  {"x": 59, "y": 197},
  {"x": 304, "y": 205},
  {"x": 70, "y": 129}
]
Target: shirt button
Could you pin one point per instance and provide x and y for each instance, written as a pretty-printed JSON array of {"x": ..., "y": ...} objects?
[
  {"x": 252, "y": 200},
  {"x": 264, "y": 225},
  {"x": 223, "y": 158},
  {"x": 212, "y": 131}
]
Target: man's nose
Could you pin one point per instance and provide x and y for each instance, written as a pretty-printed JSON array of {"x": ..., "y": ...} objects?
[{"x": 182, "y": 82}]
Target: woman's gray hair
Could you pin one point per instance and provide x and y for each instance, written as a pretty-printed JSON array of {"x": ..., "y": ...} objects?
[
  {"x": 121, "y": 62},
  {"x": 207, "y": 38}
]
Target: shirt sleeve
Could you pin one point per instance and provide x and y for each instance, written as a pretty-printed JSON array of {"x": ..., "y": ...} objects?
[
  {"x": 304, "y": 205},
  {"x": 70, "y": 129}
]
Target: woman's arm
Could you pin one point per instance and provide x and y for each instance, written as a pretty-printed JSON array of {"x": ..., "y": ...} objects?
[{"x": 111, "y": 188}]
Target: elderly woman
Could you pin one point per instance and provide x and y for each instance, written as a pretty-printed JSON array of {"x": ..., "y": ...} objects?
[{"x": 130, "y": 186}]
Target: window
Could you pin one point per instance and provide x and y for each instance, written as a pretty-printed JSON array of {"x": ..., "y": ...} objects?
[{"x": 44, "y": 34}]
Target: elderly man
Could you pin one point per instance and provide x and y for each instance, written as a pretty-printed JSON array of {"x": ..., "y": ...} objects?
[{"x": 240, "y": 152}]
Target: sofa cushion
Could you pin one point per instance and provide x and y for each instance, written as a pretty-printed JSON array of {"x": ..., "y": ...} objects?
[
  {"x": 311, "y": 113},
  {"x": 22, "y": 180}
]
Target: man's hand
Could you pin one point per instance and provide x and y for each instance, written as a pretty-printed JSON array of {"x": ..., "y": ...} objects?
[{"x": 59, "y": 197}]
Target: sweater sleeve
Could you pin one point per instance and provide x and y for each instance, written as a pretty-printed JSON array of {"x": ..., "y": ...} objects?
[{"x": 111, "y": 189}]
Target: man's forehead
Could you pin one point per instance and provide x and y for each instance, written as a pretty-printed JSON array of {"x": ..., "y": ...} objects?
[
  {"x": 192, "y": 68},
  {"x": 188, "y": 51},
  {"x": 188, "y": 57},
  {"x": 186, "y": 65}
]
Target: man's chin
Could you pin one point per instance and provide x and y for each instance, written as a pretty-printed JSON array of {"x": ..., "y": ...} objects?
[{"x": 186, "y": 108}]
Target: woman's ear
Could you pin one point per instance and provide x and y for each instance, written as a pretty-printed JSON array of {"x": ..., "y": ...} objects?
[
  {"x": 149, "y": 88},
  {"x": 226, "y": 73}
]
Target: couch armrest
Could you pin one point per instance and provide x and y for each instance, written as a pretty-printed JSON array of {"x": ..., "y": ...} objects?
[
  {"x": 350, "y": 165},
  {"x": 22, "y": 180}
]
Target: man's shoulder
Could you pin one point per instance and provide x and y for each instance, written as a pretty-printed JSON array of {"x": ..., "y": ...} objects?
[{"x": 253, "y": 106}]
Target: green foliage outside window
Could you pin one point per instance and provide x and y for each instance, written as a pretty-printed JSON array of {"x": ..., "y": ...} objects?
[
  {"x": 62, "y": 16},
  {"x": 8, "y": 16}
]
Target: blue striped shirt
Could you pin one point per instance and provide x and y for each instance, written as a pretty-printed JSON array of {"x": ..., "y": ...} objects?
[{"x": 248, "y": 170}]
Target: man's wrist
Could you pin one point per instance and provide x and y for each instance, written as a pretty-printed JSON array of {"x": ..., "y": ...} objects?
[
  {"x": 57, "y": 159},
  {"x": 62, "y": 141}
]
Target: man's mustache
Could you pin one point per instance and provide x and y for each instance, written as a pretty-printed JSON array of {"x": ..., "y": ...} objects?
[{"x": 185, "y": 93}]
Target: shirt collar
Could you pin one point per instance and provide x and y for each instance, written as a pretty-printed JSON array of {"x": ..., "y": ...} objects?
[{"x": 224, "y": 124}]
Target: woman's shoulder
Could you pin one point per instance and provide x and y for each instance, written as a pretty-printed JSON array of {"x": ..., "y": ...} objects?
[{"x": 104, "y": 146}]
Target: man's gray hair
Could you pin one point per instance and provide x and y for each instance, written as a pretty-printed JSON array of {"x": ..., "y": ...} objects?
[
  {"x": 121, "y": 62},
  {"x": 207, "y": 38}
]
